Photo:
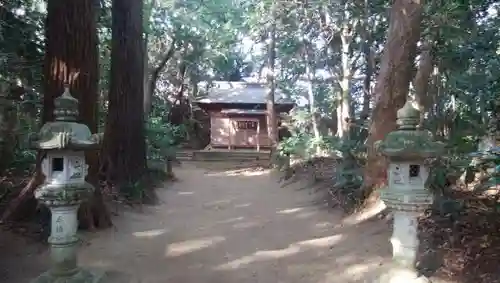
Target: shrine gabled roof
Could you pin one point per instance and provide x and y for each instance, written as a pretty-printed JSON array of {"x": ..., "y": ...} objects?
[
  {"x": 244, "y": 111},
  {"x": 241, "y": 93}
]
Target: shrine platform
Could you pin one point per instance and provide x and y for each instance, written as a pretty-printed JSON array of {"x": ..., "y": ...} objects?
[{"x": 223, "y": 154}]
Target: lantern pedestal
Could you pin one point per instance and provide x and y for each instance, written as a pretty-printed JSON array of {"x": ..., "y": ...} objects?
[
  {"x": 63, "y": 240},
  {"x": 401, "y": 274},
  {"x": 81, "y": 276},
  {"x": 404, "y": 238},
  {"x": 63, "y": 202},
  {"x": 404, "y": 243},
  {"x": 63, "y": 250}
]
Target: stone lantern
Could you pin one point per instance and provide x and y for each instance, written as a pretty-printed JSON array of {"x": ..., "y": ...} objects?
[
  {"x": 64, "y": 143},
  {"x": 406, "y": 195}
]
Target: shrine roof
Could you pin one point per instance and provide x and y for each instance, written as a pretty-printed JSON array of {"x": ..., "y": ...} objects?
[
  {"x": 243, "y": 111},
  {"x": 241, "y": 93}
]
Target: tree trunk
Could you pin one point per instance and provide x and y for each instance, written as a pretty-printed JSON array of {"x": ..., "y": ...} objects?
[
  {"x": 309, "y": 63},
  {"x": 8, "y": 125},
  {"x": 494, "y": 128},
  {"x": 392, "y": 86},
  {"x": 421, "y": 82},
  {"x": 369, "y": 61},
  {"x": 71, "y": 58},
  {"x": 124, "y": 152},
  {"x": 344, "y": 103},
  {"x": 271, "y": 80},
  {"x": 148, "y": 92}
]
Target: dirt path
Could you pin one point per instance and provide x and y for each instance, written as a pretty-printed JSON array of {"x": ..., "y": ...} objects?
[{"x": 223, "y": 227}]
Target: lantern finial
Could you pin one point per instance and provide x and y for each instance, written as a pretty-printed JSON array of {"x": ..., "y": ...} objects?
[
  {"x": 408, "y": 117},
  {"x": 66, "y": 106}
]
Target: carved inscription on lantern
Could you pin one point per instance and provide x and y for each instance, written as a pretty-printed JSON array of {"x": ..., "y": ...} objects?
[
  {"x": 397, "y": 175},
  {"x": 59, "y": 225},
  {"x": 76, "y": 168},
  {"x": 64, "y": 221}
]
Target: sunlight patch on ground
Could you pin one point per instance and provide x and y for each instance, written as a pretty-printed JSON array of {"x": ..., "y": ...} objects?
[
  {"x": 243, "y": 205},
  {"x": 218, "y": 204},
  {"x": 150, "y": 233},
  {"x": 359, "y": 269},
  {"x": 290, "y": 210},
  {"x": 292, "y": 249},
  {"x": 323, "y": 225},
  {"x": 185, "y": 193},
  {"x": 365, "y": 214},
  {"x": 239, "y": 172},
  {"x": 306, "y": 214},
  {"x": 321, "y": 242},
  {"x": 364, "y": 272},
  {"x": 177, "y": 249},
  {"x": 231, "y": 220},
  {"x": 247, "y": 224}
]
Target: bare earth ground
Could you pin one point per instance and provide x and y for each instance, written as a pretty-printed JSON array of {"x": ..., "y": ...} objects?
[{"x": 222, "y": 226}]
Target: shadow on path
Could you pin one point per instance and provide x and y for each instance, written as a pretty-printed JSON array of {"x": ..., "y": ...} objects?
[{"x": 223, "y": 226}]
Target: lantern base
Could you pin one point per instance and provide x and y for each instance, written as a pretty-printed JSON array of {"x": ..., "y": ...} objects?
[
  {"x": 82, "y": 276},
  {"x": 400, "y": 274}
]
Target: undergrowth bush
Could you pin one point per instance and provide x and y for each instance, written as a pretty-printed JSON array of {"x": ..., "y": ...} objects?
[{"x": 162, "y": 137}]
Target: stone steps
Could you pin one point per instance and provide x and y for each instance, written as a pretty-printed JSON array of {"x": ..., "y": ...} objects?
[
  {"x": 184, "y": 155},
  {"x": 214, "y": 155},
  {"x": 222, "y": 155}
]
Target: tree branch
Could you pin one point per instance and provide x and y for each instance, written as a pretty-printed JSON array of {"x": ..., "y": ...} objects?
[{"x": 156, "y": 71}]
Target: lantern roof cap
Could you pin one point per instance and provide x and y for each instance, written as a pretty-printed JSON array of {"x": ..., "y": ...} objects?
[
  {"x": 409, "y": 142},
  {"x": 65, "y": 132}
]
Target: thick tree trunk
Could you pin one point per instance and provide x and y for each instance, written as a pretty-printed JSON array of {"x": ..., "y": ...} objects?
[
  {"x": 392, "y": 86},
  {"x": 124, "y": 152}
]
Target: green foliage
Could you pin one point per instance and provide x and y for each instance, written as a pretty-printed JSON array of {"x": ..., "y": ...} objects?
[
  {"x": 489, "y": 166},
  {"x": 21, "y": 51},
  {"x": 162, "y": 138},
  {"x": 303, "y": 143}
]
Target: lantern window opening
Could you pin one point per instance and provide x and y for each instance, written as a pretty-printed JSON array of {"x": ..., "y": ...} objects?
[
  {"x": 414, "y": 171},
  {"x": 58, "y": 164}
]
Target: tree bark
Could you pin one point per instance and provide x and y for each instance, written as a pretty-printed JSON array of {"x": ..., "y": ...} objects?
[
  {"x": 369, "y": 60},
  {"x": 344, "y": 101},
  {"x": 8, "y": 125},
  {"x": 310, "y": 64},
  {"x": 392, "y": 86},
  {"x": 71, "y": 58},
  {"x": 310, "y": 74},
  {"x": 421, "y": 82},
  {"x": 272, "y": 130},
  {"x": 124, "y": 152}
]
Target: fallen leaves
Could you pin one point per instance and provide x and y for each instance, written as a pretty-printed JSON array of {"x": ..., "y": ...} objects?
[{"x": 466, "y": 249}]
